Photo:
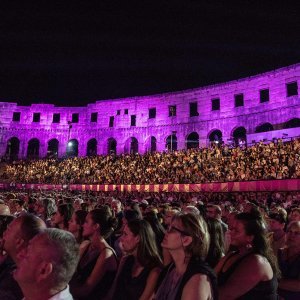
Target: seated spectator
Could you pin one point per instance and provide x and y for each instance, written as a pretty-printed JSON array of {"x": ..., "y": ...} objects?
[
  {"x": 139, "y": 269},
  {"x": 215, "y": 212},
  {"x": 15, "y": 240},
  {"x": 63, "y": 216},
  {"x": 76, "y": 224},
  {"x": 250, "y": 272},
  {"x": 19, "y": 207},
  {"x": 158, "y": 229},
  {"x": 188, "y": 276},
  {"x": 289, "y": 262},
  {"x": 48, "y": 265},
  {"x": 98, "y": 263},
  {"x": 45, "y": 208},
  {"x": 216, "y": 245},
  {"x": 294, "y": 215},
  {"x": 276, "y": 225}
]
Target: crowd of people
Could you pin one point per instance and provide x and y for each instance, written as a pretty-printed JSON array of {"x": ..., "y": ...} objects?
[
  {"x": 276, "y": 160},
  {"x": 96, "y": 245}
]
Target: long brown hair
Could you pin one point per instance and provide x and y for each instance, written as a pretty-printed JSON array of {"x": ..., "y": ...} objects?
[{"x": 147, "y": 253}]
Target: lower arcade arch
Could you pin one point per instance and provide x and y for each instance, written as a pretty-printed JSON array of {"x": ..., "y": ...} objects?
[
  {"x": 215, "y": 137},
  {"x": 192, "y": 140},
  {"x": 111, "y": 146},
  {"x": 131, "y": 146},
  {"x": 72, "y": 148},
  {"x": 33, "y": 149},
  {"x": 52, "y": 149},
  {"x": 239, "y": 136},
  {"x": 91, "y": 149},
  {"x": 171, "y": 142},
  {"x": 12, "y": 148}
]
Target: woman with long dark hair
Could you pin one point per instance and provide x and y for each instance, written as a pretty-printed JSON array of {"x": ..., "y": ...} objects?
[
  {"x": 251, "y": 271},
  {"x": 139, "y": 269},
  {"x": 76, "y": 224},
  {"x": 98, "y": 263},
  {"x": 216, "y": 246},
  {"x": 63, "y": 215}
]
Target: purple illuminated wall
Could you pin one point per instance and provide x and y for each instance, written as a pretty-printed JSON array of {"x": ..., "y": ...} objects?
[{"x": 269, "y": 100}]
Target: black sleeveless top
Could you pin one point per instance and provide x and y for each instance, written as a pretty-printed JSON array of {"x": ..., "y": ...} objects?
[
  {"x": 264, "y": 290},
  {"x": 195, "y": 266},
  {"x": 83, "y": 272},
  {"x": 128, "y": 287}
]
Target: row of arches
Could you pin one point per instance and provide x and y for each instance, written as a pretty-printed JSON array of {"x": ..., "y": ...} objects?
[
  {"x": 238, "y": 136},
  {"x": 293, "y": 123}
]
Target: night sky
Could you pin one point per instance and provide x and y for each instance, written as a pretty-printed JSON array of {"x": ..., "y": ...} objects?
[{"x": 74, "y": 54}]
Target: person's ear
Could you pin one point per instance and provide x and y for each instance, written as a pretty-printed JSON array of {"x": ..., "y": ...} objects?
[
  {"x": 186, "y": 240},
  {"x": 20, "y": 243},
  {"x": 44, "y": 271}
]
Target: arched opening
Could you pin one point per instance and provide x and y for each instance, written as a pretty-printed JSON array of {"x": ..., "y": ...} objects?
[
  {"x": 192, "y": 140},
  {"x": 52, "y": 150},
  {"x": 264, "y": 128},
  {"x": 72, "y": 148},
  {"x": 131, "y": 146},
  {"x": 293, "y": 123},
  {"x": 215, "y": 137},
  {"x": 151, "y": 144},
  {"x": 91, "y": 147},
  {"x": 239, "y": 136},
  {"x": 111, "y": 146},
  {"x": 171, "y": 142},
  {"x": 13, "y": 148},
  {"x": 33, "y": 149}
]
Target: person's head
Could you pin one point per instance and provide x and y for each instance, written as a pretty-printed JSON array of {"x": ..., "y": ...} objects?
[
  {"x": 19, "y": 204},
  {"x": 19, "y": 232},
  {"x": 5, "y": 220},
  {"x": 4, "y": 210},
  {"x": 100, "y": 222},
  {"x": 249, "y": 232},
  {"x": 187, "y": 232},
  {"x": 294, "y": 214},
  {"x": 116, "y": 206},
  {"x": 276, "y": 222},
  {"x": 169, "y": 215},
  {"x": 214, "y": 211},
  {"x": 130, "y": 215},
  {"x": 49, "y": 262},
  {"x": 138, "y": 239},
  {"x": 76, "y": 223},
  {"x": 46, "y": 207},
  {"x": 293, "y": 234},
  {"x": 63, "y": 215}
]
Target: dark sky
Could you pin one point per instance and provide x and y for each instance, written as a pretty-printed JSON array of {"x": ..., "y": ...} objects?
[{"x": 74, "y": 54}]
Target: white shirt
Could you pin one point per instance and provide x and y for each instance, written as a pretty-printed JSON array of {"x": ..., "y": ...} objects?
[{"x": 62, "y": 295}]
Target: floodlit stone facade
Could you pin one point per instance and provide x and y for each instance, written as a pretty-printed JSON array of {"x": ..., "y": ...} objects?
[{"x": 264, "y": 106}]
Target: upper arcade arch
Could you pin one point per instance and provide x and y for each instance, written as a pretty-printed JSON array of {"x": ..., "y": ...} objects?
[
  {"x": 264, "y": 128},
  {"x": 292, "y": 123}
]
